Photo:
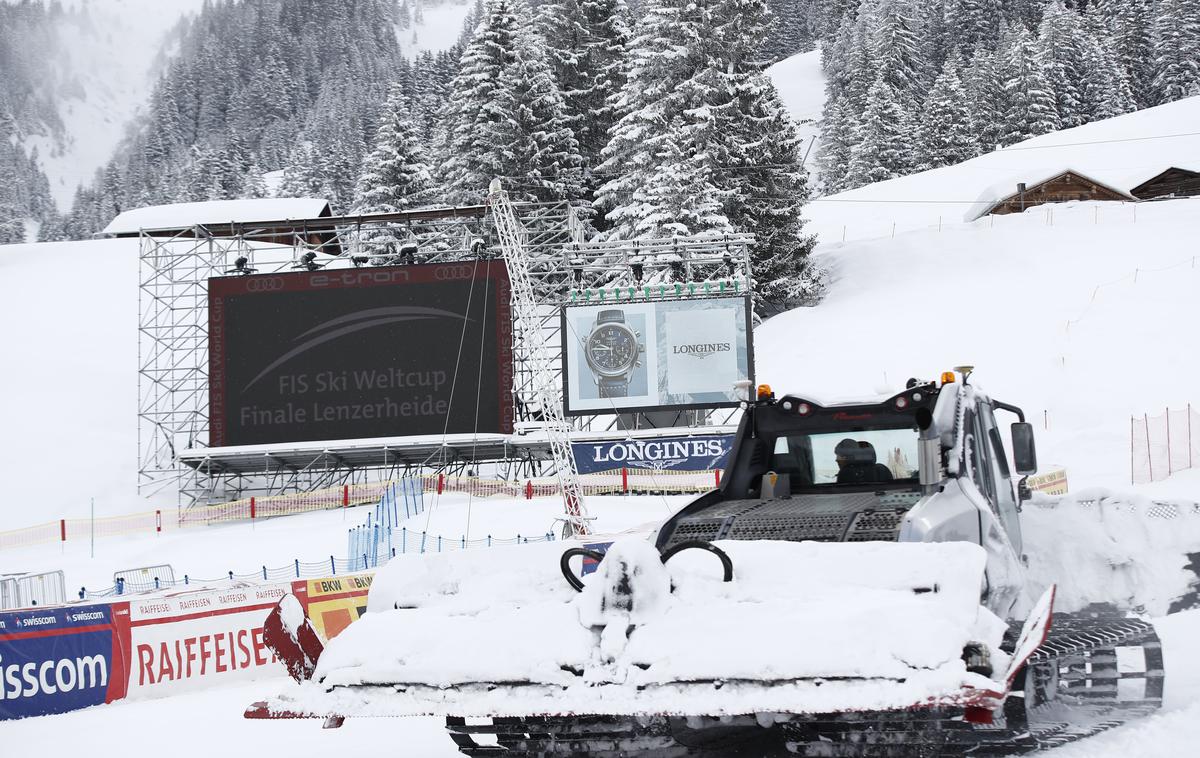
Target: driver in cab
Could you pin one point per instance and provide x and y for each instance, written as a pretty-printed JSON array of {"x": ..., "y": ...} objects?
[{"x": 857, "y": 463}]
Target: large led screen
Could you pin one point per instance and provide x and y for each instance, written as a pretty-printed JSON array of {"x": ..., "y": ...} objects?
[
  {"x": 655, "y": 355},
  {"x": 365, "y": 352}
]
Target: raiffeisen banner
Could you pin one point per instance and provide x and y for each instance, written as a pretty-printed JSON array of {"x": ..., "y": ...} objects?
[
  {"x": 699, "y": 453},
  {"x": 197, "y": 639},
  {"x": 656, "y": 355},
  {"x": 55, "y": 660}
]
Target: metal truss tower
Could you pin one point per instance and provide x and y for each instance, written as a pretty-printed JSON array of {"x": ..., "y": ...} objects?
[{"x": 528, "y": 333}]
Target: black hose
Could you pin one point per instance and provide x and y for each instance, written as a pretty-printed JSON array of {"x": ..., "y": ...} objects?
[
  {"x": 726, "y": 563},
  {"x": 564, "y": 564}
]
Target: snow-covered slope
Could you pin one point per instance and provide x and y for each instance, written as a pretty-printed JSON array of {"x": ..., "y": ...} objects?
[
  {"x": 801, "y": 85},
  {"x": 1121, "y": 151},
  {"x": 437, "y": 28},
  {"x": 112, "y": 58},
  {"x": 1082, "y": 322}
]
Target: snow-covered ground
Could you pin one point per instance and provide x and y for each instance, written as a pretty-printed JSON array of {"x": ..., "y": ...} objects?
[
  {"x": 112, "y": 57},
  {"x": 1083, "y": 323},
  {"x": 438, "y": 29},
  {"x": 801, "y": 85},
  {"x": 210, "y": 723}
]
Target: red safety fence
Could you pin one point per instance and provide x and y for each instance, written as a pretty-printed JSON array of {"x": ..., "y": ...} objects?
[
  {"x": 616, "y": 482},
  {"x": 1163, "y": 444}
]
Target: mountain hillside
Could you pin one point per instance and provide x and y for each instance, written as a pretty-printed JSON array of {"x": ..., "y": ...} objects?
[{"x": 1121, "y": 152}]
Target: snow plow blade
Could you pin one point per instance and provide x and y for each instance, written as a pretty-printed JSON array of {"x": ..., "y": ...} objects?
[{"x": 800, "y": 628}]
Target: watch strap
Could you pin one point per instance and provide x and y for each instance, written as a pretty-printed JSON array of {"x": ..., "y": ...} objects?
[
  {"x": 610, "y": 317},
  {"x": 617, "y": 386}
]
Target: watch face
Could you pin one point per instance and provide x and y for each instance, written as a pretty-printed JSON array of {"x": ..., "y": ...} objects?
[{"x": 612, "y": 349}]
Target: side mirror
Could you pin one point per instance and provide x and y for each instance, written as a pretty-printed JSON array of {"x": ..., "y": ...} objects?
[{"x": 1024, "y": 452}]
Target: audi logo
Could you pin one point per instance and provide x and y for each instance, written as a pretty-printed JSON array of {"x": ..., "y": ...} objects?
[
  {"x": 263, "y": 283},
  {"x": 443, "y": 273}
]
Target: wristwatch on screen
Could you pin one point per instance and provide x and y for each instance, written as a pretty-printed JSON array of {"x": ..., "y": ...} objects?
[{"x": 612, "y": 351}]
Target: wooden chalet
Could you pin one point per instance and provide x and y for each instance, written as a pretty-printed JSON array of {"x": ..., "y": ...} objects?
[
  {"x": 1061, "y": 188},
  {"x": 1174, "y": 182}
]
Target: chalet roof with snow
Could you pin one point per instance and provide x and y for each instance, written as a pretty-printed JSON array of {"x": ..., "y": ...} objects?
[
  {"x": 168, "y": 219},
  {"x": 1054, "y": 186}
]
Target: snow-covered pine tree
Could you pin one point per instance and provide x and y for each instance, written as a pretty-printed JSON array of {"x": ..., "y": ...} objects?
[
  {"x": 506, "y": 116},
  {"x": 1129, "y": 23},
  {"x": 678, "y": 197},
  {"x": 396, "y": 173},
  {"x": 946, "y": 135},
  {"x": 1029, "y": 99},
  {"x": 662, "y": 57},
  {"x": 973, "y": 23},
  {"x": 585, "y": 43},
  {"x": 884, "y": 148},
  {"x": 12, "y": 227},
  {"x": 1176, "y": 50},
  {"x": 838, "y": 130},
  {"x": 897, "y": 50},
  {"x": 983, "y": 83},
  {"x": 1059, "y": 50},
  {"x": 255, "y": 185},
  {"x": 770, "y": 192},
  {"x": 1104, "y": 90}
]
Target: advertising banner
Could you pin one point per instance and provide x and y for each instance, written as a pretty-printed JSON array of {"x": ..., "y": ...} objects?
[
  {"x": 698, "y": 453},
  {"x": 334, "y": 602},
  {"x": 655, "y": 355},
  {"x": 56, "y": 660},
  {"x": 358, "y": 353},
  {"x": 193, "y": 640}
]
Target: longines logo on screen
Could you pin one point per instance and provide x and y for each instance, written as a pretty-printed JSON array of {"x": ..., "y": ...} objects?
[{"x": 702, "y": 349}]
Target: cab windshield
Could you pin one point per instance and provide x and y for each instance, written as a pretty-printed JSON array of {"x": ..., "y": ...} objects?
[{"x": 872, "y": 456}]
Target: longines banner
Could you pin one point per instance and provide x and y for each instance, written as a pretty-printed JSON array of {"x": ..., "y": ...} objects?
[
  {"x": 362, "y": 352},
  {"x": 704, "y": 453},
  {"x": 655, "y": 355}
]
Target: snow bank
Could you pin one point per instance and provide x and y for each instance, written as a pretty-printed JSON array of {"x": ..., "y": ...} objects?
[
  {"x": 1104, "y": 547},
  {"x": 891, "y": 619}
]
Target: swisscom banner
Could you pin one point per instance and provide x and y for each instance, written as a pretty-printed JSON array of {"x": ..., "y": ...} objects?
[
  {"x": 56, "y": 660},
  {"x": 700, "y": 453},
  {"x": 655, "y": 355},
  {"x": 362, "y": 352}
]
